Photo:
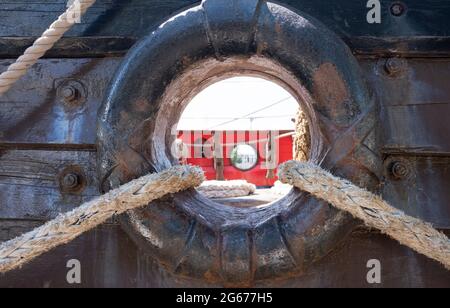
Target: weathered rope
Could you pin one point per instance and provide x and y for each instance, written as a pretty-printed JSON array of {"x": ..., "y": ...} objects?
[
  {"x": 342, "y": 194},
  {"x": 302, "y": 137},
  {"x": 375, "y": 212},
  {"x": 67, "y": 227},
  {"x": 226, "y": 189},
  {"x": 47, "y": 40}
]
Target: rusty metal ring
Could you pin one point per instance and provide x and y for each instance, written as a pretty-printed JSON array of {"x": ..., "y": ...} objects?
[{"x": 188, "y": 234}]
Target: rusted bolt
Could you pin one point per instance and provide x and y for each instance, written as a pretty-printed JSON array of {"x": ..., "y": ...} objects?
[
  {"x": 398, "y": 9},
  {"x": 69, "y": 93},
  {"x": 395, "y": 66},
  {"x": 72, "y": 179},
  {"x": 72, "y": 93},
  {"x": 400, "y": 170}
]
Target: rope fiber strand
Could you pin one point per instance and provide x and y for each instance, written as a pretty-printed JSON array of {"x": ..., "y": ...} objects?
[
  {"x": 67, "y": 227},
  {"x": 374, "y": 211},
  {"x": 47, "y": 40}
]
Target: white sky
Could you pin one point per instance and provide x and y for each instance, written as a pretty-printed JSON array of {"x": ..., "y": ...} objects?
[{"x": 237, "y": 103}]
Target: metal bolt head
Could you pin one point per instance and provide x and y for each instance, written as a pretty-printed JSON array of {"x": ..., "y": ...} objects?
[
  {"x": 69, "y": 93},
  {"x": 71, "y": 180},
  {"x": 400, "y": 170},
  {"x": 398, "y": 9},
  {"x": 72, "y": 93},
  {"x": 394, "y": 66}
]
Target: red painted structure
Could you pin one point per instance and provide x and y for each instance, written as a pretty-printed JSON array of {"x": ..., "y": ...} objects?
[{"x": 199, "y": 147}]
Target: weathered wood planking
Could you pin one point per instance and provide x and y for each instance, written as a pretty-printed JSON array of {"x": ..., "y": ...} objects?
[
  {"x": 118, "y": 24},
  {"x": 414, "y": 108},
  {"x": 106, "y": 18},
  {"x": 406, "y": 47},
  {"x": 415, "y": 104},
  {"x": 133, "y": 18},
  {"x": 424, "y": 193},
  {"x": 70, "y": 47},
  {"x": 30, "y": 187},
  {"x": 33, "y": 111},
  {"x": 420, "y": 82},
  {"x": 107, "y": 46},
  {"x": 418, "y": 128},
  {"x": 10, "y": 229},
  {"x": 109, "y": 259}
]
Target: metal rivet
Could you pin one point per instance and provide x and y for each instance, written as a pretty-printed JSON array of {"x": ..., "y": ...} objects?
[{"x": 398, "y": 9}]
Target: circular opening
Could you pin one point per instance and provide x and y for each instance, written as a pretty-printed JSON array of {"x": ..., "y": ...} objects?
[
  {"x": 177, "y": 98},
  {"x": 239, "y": 130}
]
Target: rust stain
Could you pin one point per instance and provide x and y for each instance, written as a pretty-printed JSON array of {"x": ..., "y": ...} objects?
[
  {"x": 211, "y": 277},
  {"x": 122, "y": 159},
  {"x": 334, "y": 92},
  {"x": 278, "y": 28},
  {"x": 330, "y": 90},
  {"x": 261, "y": 47}
]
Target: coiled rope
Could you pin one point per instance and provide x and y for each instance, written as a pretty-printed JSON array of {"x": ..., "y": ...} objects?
[
  {"x": 67, "y": 227},
  {"x": 226, "y": 189},
  {"x": 371, "y": 209},
  {"x": 47, "y": 40}
]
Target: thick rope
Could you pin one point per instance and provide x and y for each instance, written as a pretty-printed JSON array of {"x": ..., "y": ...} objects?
[
  {"x": 226, "y": 189},
  {"x": 302, "y": 137},
  {"x": 47, "y": 40},
  {"x": 371, "y": 209},
  {"x": 67, "y": 227}
]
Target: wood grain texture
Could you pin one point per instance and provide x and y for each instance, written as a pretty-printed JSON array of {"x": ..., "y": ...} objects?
[
  {"x": 424, "y": 193},
  {"x": 135, "y": 17},
  {"x": 415, "y": 105},
  {"x": 29, "y": 183},
  {"x": 106, "y": 17},
  {"x": 110, "y": 259},
  {"x": 33, "y": 111},
  {"x": 416, "y": 101},
  {"x": 70, "y": 47}
]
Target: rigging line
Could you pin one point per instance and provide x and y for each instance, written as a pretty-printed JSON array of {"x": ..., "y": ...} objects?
[
  {"x": 247, "y": 118},
  {"x": 251, "y": 113}
]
